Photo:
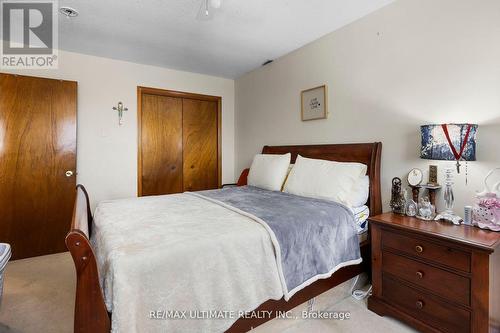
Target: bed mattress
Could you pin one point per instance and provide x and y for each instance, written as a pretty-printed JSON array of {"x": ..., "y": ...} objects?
[{"x": 170, "y": 263}]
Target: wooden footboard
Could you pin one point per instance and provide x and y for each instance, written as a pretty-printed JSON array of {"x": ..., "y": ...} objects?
[{"x": 91, "y": 315}]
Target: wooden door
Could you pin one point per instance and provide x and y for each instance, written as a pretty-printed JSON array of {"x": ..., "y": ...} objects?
[
  {"x": 37, "y": 163},
  {"x": 199, "y": 144},
  {"x": 179, "y": 142},
  {"x": 161, "y": 144}
]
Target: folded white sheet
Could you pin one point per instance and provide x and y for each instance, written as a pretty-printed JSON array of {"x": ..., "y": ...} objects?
[{"x": 361, "y": 215}]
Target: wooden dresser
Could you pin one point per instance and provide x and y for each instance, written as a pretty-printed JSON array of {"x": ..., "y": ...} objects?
[{"x": 435, "y": 276}]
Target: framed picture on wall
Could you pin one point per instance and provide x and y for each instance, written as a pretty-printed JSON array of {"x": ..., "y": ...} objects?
[{"x": 314, "y": 104}]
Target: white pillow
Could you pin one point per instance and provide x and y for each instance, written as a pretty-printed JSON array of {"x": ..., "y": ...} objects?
[
  {"x": 361, "y": 191},
  {"x": 269, "y": 171},
  {"x": 335, "y": 181}
]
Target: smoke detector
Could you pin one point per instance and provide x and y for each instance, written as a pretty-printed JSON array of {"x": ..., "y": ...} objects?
[{"x": 68, "y": 11}]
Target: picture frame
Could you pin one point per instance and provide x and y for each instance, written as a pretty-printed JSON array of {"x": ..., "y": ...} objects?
[{"x": 314, "y": 103}]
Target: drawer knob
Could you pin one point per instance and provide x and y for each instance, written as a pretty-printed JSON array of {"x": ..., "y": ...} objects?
[
  {"x": 419, "y": 249},
  {"x": 420, "y": 275},
  {"x": 419, "y": 305}
]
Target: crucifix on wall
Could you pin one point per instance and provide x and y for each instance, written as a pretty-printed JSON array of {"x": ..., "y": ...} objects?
[{"x": 120, "y": 110}]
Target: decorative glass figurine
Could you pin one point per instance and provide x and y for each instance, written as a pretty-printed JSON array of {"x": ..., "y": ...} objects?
[
  {"x": 411, "y": 208},
  {"x": 398, "y": 202},
  {"x": 426, "y": 210}
]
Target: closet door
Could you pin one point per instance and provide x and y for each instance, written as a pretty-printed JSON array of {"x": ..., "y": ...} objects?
[
  {"x": 179, "y": 141},
  {"x": 161, "y": 145},
  {"x": 200, "y": 122},
  {"x": 37, "y": 163}
]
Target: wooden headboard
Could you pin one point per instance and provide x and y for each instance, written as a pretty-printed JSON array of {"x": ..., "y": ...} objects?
[{"x": 366, "y": 153}]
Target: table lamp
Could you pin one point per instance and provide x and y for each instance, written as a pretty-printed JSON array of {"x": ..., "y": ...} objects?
[{"x": 449, "y": 142}]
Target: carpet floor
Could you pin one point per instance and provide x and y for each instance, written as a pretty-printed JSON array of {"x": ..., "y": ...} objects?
[{"x": 38, "y": 297}]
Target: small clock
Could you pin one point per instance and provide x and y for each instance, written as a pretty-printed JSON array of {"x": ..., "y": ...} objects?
[{"x": 415, "y": 177}]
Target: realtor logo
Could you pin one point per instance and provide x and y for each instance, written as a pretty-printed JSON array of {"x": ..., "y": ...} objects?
[{"x": 29, "y": 34}]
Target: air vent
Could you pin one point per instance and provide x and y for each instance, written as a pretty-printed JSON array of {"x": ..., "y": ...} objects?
[{"x": 68, "y": 11}]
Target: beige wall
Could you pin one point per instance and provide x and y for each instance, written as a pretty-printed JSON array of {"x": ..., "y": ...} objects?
[
  {"x": 107, "y": 153},
  {"x": 411, "y": 63}
]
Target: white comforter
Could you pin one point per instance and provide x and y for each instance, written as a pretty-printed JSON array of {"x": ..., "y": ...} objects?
[{"x": 181, "y": 253}]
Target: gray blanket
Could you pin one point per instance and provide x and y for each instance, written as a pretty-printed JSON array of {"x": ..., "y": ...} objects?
[{"x": 313, "y": 238}]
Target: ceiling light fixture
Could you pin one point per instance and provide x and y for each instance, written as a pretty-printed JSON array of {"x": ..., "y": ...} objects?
[
  {"x": 68, "y": 11},
  {"x": 216, "y": 4}
]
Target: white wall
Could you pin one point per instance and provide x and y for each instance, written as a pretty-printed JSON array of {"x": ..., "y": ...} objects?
[
  {"x": 413, "y": 62},
  {"x": 107, "y": 153}
]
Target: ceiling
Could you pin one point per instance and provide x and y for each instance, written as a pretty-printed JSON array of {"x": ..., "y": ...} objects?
[{"x": 235, "y": 39}]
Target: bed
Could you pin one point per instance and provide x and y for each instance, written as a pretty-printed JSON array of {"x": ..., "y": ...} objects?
[{"x": 92, "y": 300}]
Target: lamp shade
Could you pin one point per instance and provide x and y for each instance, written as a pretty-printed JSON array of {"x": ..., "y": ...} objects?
[{"x": 450, "y": 142}]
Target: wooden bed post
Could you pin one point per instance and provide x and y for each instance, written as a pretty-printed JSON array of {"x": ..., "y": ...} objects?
[
  {"x": 91, "y": 315},
  {"x": 375, "y": 199}
]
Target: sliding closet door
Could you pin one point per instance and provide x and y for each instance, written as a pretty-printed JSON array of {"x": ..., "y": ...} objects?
[
  {"x": 200, "y": 144},
  {"x": 179, "y": 142},
  {"x": 37, "y": 163},
  {"x": 161, "y": 144}
]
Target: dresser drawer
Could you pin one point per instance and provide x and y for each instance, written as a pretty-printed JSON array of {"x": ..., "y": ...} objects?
[
  {"x": 443, "y": 283},
  {"x": 427, "y": 250},
  {"x": 426, "y": 308}
]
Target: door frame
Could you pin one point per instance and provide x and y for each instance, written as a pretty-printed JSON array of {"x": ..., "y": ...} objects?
[{"x": 178, "y": 94}]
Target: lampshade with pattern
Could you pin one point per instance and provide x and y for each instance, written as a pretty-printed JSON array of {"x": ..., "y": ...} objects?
[{"x": 449, "y": 142}]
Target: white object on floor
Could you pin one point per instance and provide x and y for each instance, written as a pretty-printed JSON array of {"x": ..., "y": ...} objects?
[
  {"x": 310, "y": 304},
  {"x": 356, "y": 290}
]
